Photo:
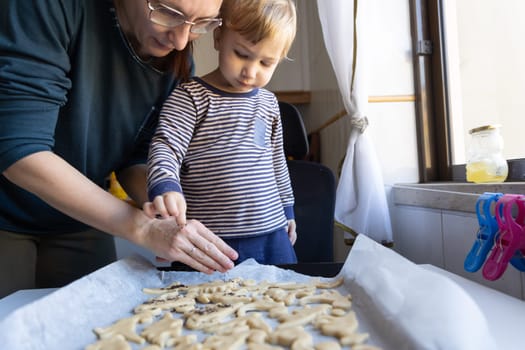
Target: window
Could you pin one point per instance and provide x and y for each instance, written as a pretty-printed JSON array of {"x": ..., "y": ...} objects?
[{"x": 469, "y": 71}]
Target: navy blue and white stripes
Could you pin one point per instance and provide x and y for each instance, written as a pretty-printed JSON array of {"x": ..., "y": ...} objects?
[{"x": 226, "y": 152}]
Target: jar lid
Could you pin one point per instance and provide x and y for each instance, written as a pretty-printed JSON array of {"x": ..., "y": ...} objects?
[{"x": 484, "y": 128}]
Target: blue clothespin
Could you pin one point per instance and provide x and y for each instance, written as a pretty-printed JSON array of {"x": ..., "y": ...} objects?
[
  {"x": 518, "y": 260},
  {"x": 511, "y": 236},
  {"x": 488, "y": 227}
]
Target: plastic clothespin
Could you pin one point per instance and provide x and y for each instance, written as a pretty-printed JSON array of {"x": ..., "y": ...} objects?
[
  {"x": 488, "y": 226},
  {"x": 518, "y": 260},
  {"x": 510, "y": 215}
]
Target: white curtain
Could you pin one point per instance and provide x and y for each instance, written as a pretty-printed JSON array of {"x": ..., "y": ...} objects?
[{"x": 361, "y": 200}]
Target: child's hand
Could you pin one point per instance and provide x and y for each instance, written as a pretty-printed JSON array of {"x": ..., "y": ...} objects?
[
  {"x": 169, "y": 204},
  {"x": 292, "y": 234}
]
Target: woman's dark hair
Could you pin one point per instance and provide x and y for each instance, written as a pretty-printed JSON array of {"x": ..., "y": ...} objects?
[{"x": 182, "y": 62}]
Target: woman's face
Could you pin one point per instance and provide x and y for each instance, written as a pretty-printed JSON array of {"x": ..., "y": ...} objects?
[{"x": 154, "y": 40}]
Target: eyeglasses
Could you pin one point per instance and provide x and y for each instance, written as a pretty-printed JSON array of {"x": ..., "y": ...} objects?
[{"x": 169, "y": 17}]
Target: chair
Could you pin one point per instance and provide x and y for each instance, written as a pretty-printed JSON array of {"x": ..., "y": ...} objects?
[
  {"x": 314, "y": 190},
  {"x": 294, "y": 132}
]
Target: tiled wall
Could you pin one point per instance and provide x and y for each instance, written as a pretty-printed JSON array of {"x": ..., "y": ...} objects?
[{"x": 443, "y": 238}]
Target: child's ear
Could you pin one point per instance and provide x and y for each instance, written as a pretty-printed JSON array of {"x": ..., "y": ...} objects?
[{"x": 216, "y": 37}]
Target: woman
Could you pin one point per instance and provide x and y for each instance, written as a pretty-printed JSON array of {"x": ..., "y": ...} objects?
[{"x": 81, "y": 83}]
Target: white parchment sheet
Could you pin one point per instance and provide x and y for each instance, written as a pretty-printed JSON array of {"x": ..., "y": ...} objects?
[{"x": 401, "y": 305}]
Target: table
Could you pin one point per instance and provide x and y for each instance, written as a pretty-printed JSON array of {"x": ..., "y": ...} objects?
[
  {"x": 505, "y": 314},
  {"x": 21, "y": 298}
]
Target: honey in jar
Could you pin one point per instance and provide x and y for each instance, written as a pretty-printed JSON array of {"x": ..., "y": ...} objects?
[{"x": 485, "y": 159}]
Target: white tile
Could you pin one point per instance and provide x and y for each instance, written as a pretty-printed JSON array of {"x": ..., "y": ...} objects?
[
  {"x": 459, "y": 233},
  {"x": 417, "y": 234},
  {"x": 522, "y": 276}
]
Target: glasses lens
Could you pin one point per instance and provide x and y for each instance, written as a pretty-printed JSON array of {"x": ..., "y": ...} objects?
[
  {"x": 166, "y": 17},
  {"x": 205, "y": 26}
]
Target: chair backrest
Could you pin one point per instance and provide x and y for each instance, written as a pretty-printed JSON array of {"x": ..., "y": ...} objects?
[
  {"x": 294, "y": 133},
  {"x": 314, "y": 191}
]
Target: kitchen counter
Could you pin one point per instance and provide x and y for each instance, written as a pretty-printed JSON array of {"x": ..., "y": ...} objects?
[{"x": 453, "y": 196}]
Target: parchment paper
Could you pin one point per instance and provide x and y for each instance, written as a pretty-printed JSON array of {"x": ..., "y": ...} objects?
[{"x": 401, "y": 305}]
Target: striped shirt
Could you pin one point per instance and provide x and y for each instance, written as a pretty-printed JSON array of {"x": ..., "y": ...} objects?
[{"x": 224, "y": 151}]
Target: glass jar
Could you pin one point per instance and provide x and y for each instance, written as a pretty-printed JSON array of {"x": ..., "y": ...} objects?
[{"x": 485, "y": 159}]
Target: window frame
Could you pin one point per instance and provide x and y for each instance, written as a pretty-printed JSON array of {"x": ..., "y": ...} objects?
[{"x": 432, "y": 113}]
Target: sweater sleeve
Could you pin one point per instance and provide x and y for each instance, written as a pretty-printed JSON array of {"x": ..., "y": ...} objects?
[
  {"x": 34, "y": 65},
  {"x": 170, "y": 143},
  {"x": 279, "y": 164}
]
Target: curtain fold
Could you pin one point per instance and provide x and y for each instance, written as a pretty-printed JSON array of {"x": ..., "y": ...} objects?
[{"x": 361, "y": 201}]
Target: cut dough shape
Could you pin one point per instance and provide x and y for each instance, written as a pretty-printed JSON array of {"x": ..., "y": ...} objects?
[
  {"x": 126, "y": 327},
  {"x": 234, "y": 315},
  {"x": 161, "y": 332},
  {"x": 115, "y": 343}
]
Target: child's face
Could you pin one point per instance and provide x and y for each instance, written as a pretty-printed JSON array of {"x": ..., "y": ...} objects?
[{"x": 243, "y": 65}]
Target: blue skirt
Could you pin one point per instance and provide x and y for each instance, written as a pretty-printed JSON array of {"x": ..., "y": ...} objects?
[{"x": 269, "y": 249}]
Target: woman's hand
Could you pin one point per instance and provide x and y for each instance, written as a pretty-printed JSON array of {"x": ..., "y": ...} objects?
[
  {"x": 192, "y": 244},
  {"x": 59, "y": 184}
]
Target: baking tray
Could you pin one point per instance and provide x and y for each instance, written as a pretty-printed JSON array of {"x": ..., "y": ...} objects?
[{"x": 321, "y": 269}]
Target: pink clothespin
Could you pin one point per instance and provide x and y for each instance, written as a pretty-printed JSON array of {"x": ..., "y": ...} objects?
[
  {"x": 510, "y": 215},
  {"x": 488, "y": 228}
]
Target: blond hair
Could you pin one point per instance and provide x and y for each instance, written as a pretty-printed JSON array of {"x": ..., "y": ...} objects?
[{"x": 257, "y": 20}]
